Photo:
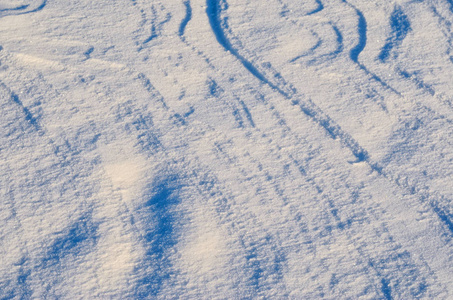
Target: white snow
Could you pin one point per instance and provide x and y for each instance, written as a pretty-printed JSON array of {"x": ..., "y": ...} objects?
[{"x": 226, "y": 149}]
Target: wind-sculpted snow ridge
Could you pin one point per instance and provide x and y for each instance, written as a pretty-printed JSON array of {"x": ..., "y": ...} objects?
[{"x": 217, "y": 149}]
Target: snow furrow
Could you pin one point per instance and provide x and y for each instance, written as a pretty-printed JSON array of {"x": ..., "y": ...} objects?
[
  {"x": 362, "y": 33},
  {"x": 360, "y": 46},
  {"x": 187, "y": 17},
  {"x": 213, "y": 11},
  {"x": 22, "y": 7}
]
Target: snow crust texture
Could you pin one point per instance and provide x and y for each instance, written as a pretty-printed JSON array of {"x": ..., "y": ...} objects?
[{"x": 226, "y": 149}]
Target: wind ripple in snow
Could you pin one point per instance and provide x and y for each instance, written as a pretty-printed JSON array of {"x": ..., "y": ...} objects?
[{"x": 225, "y": 149}]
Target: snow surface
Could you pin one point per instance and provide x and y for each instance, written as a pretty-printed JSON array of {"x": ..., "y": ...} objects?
[{"x": 226, "y": 149}]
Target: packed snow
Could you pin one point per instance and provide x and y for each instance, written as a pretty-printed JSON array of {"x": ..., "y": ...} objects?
[{"x": 226, "y": 149}]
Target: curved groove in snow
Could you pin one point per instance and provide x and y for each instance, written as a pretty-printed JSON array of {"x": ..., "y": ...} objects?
[
  {"x": 317, "y": 9},
  {"x": 362, "y": 32},
  {"x": 187, "y": 18},
  {"x": 332, "y": 55},
  {"x": 400, "y": 26},
  {"x": 360, "y": 46},
  {"x": 213, "y": 11},
  {"x": 23, "y": 9}
]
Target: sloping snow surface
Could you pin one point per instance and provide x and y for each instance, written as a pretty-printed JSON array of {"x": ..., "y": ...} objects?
[{"x": 226, "y": 149}]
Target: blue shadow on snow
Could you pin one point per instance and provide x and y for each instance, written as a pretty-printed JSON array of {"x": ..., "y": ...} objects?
[{"x": 400, "y": 26}]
